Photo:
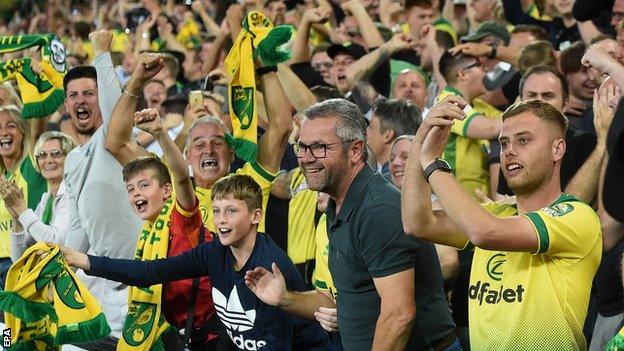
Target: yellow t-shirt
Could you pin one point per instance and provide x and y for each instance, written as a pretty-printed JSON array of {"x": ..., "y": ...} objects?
[
  {"x": 525, "y": 301},
  {"x": 466, "y": 156},
  {"x": 321, "y": 277},
  {"x": 255, "y": 171},
  {"x": 301, "y": 211},
  {"x": 27, "y": 178}
]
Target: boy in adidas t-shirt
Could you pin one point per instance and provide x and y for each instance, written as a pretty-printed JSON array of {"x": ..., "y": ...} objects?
[{"x": 250, "y": 323}]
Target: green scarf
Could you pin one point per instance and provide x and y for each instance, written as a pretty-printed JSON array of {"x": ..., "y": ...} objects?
[
  {"x": 74, "y": 316},
  {"x": 41, "y": 94},
  {"x": 617, "y": 343},
  {"x": 145, "y": 322},
  {"x": 256, "y": 38}
]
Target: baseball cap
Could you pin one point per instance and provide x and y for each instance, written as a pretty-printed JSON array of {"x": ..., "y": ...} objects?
[
  {"x": 488, "y": 28},
  {"x": 352, "y": 49}
]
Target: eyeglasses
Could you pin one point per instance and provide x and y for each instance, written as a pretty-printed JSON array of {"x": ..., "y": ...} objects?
[
  {"x": 475, "y": 64},
  {"x": 318, "y": 66},
  {"x": 55, "y": 154},
  {"x": 617, "y": 16},
  {"x": 317, "y": 150}
]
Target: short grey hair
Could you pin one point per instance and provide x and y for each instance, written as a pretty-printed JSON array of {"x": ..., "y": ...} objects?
[
  {"x": 207, "y": 119},
  {"x": 351, "y": 121},
  {"x": 67, "y": 143}
]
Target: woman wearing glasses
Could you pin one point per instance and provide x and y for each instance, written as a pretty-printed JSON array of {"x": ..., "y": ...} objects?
[{"x": 50, "y": 220}]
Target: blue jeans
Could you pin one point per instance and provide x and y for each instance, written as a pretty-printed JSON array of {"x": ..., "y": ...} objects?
[{"x": 455, "y": 346}]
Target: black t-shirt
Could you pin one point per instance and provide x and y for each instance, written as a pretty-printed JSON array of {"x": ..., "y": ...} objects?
[
  {"x": 585, "y": 121},
  {"x": 511, "y": 89},
  {"x": 579, "y": 145},
  {"x": 608, "y": 283},
  {"x": 366, "y": 241}
]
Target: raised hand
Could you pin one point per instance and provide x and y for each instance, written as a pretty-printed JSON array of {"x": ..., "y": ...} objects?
[
  {"x": 219, "y": 77},
  {"x": 268, "y": 287},
  {"x": 146, "y": 67},
  {"x": 349, "y": 6},
  {"x": 401, "y": 41},
  {"x": 198, "y": 7},
  {"x": 315, "y": 15},
  {"x": 13, "y": 197},
  {"x": 471, "y": 49},
  {"x": 434, "y": 132},
  {"x": 101, "y": 41},
  {"x": 605, "y": 101},
  {"x": 599, "y": 58},
  {"x": 149, "y": 121}
]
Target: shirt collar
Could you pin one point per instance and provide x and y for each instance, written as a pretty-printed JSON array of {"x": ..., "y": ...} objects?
[{"x": 354, "y": 193}]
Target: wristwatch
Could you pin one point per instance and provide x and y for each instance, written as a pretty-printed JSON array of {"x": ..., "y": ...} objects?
[
  {"x": 492, "y": 53},
  {"x": 437, "y": 165}
]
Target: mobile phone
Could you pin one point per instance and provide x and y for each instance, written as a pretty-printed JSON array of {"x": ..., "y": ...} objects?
[
  {"x": 209, "y": 83},
  {"x": 196, "y": 97}
]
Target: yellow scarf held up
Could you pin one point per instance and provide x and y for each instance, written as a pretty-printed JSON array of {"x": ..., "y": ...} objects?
[
  {"x": 41, "y": 93},
  {"x": 145, "y": 323},
  {"x": 259, "y": 38},
  {"x": 75, "y": 316}
]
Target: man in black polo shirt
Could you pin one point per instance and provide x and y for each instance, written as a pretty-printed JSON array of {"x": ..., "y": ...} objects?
[{"x": 374, "y": 264}]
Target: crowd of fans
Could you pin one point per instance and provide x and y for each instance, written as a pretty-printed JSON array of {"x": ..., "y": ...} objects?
[{"x": 377, "y": 103}]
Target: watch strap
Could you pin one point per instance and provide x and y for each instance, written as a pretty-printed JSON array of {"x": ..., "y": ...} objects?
[
  {"x": 492, "y": 54},
  {"x": 437, "y": 165}
]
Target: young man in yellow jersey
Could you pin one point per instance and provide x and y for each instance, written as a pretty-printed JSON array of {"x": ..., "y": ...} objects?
[
  {"x": 466, "y": 150},
  {"x": 534, "y": 261}
]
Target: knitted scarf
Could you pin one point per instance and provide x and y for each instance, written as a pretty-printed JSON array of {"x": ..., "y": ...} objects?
[
  {"x": 145, "y": 323},
  {"x": 256, "y": 38},
  {"x": 617, "y": 343},
  {"x": 41, "y": 93},
  {"x": 74, "y": 316}
]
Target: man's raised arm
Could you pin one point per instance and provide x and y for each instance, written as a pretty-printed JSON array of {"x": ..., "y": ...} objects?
[{"x": 119, "y": 134}]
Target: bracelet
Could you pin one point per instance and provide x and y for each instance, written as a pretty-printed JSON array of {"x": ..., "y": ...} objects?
[
  {"x": 264, "y": 70},
  {"x": 125, "y": 91}
]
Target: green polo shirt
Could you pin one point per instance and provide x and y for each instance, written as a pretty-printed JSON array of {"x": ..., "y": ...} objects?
[{"x": 366, "y": 241}]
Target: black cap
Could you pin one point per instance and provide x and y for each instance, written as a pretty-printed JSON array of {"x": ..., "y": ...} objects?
[{"x": 352, "y": 49}]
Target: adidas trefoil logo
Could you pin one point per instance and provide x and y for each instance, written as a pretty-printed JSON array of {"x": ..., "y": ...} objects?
[{"x": 231, "y": 312}]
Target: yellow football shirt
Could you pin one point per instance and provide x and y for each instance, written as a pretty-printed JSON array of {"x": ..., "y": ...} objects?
[
  {"x": 322, "y": 278},
  {"x": 27, "y": 178},
  {"x": 466, "y": 156},
  {"x": 301, "y": 212},
  {"x": 537, "y": 301},
  {"x": 255, "y": 171}
]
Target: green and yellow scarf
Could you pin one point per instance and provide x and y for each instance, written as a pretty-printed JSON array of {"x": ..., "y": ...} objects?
[
  {"x": 74, "y": 316},
  {"x": 259, "y": 38},
  {"x": 617, "y": 343},
  {"x": 41, "y": 93},
  {"x": 145, "y": 322}
]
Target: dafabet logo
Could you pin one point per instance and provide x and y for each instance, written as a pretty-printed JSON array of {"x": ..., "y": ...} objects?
[{"x": 492, "y": 294}]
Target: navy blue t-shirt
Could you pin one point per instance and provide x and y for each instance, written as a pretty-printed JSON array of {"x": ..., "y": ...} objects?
[{"x": 250, "y": 323}]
